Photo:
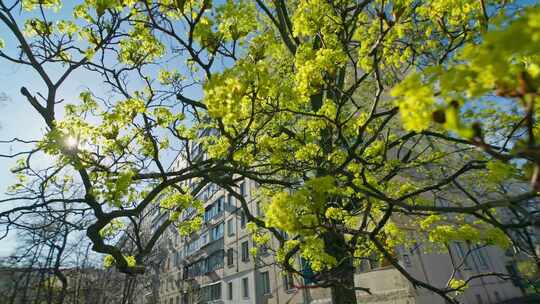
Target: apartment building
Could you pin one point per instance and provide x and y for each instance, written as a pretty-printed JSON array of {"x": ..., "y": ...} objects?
[{"x": 214, "y": 265}]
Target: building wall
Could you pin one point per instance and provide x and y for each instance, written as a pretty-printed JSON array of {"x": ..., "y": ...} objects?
[{"x": 176, "y": 287}]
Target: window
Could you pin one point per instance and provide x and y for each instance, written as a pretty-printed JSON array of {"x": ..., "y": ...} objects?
[
  {"x": 230, "y": 227},
  {"x": 260, "y": 210},
  {"x": 217, "y": 232},
  {"x": 208, "y": 213},
  {"x": 220, "y": 204},
  {"x": 288, "y": 281},
  {"x": 214, "y": 210},
  {"x": 214, "y": 261},
  {"x": 205, "y": 265},
  {"x": 196, "y": 151},
  {"x": 407, "y": 260},
  {"x": 265, "y": 282},
  {"x": 185, "y": 272},
  {"x": 462, "y": 255},
  {"x": 245, "y": 287},
  {"x": 204, "y": 239},
  {"x": 243, "y": 189},
  {"x": 192, "y": 246},
  {"x": 188, "y": 213},
  {"x": 216, "y": 291},
  {"x": 242, "y": 220},
  {"x": 197, "y": 268},
  {"x": 479, "y": 258},
  {"x": 245, "y": 251},
  {"x": 211, "y": 292},
  {"x": 230, "y": 257},
  {"x": 185, "y": 298},
  {"x": 479, "y": 299},
  {"x": 230, "y": 291}
]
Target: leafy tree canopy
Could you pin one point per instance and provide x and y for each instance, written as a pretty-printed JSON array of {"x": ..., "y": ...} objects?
[{"x": 370, "y": 125}]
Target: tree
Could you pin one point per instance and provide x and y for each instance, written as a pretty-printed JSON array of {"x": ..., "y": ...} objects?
[
  {"x": 48, "y": 252},
  {"x": 339, "y": 174},
  {"x": 53, "y": 268},
  {"x": 294, "y": 95},
  {"x": 107, "y": 153}
]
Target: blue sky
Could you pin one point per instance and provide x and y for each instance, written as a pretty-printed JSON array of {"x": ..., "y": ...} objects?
[{"x": 18, "y": 118}]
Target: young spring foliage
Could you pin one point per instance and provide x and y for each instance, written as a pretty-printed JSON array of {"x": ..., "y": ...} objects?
[{"x": 358, "y": 119}]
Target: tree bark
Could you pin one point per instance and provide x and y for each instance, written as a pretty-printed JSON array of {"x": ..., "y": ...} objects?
[{"x": 343, "y": 291}]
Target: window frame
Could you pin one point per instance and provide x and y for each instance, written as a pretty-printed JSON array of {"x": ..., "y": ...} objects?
[
  {"x": 245, "y": 251},
  {"x": 245, "y": 288},
  {"x": 243, "y": 219},
  {"x": 230, "y": 257},
  {"x": 265, "y": 282},
  {"x": 230, "y": 227},
  {"x": 242, "y": 187},
  {"x": 288, "y": 282},
  {"x": 230, "y": 290},
  {"x": 463, "y": 255}
]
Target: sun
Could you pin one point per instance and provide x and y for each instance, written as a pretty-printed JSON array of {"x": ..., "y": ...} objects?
[{"x": 71, "y": 142}]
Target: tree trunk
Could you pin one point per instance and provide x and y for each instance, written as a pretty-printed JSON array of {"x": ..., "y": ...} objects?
[
  {"x": 57, "y": 272},
  {"x": 18, "y": 278},
  {"x": 64, "y": 282},
  {"x": 343, "y": 291}
]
